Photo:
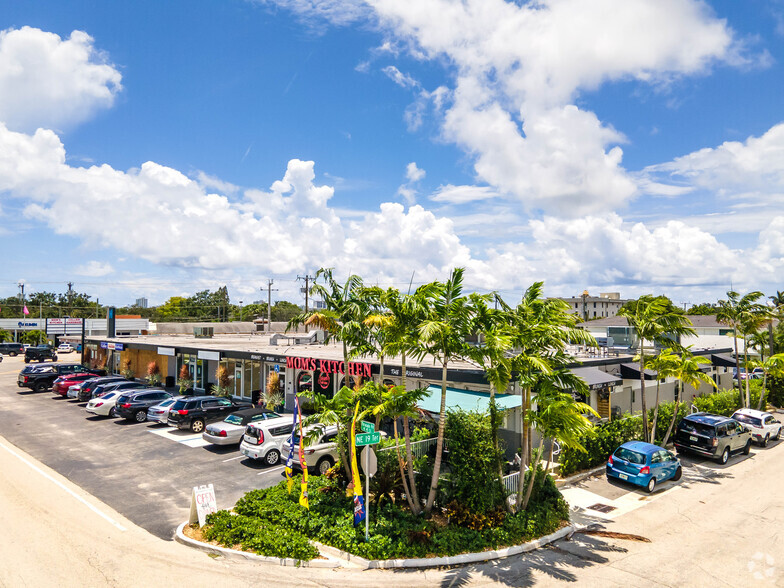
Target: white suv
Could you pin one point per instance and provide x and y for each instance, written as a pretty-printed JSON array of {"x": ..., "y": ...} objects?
[
  {"x": 762, "y": 425},
  {"x": 264, "y": 439}
]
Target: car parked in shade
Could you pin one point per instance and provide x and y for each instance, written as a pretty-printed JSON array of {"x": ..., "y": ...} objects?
[
  {"x": 195, "y": 412},
  {"x": 103, "y": 405},
  {"x": 88, "y": 386},
  {"x": 320, "y": 454},
  {"x": 132, "y": 405},
  {"x": 762, "y": 425},
  {"x": 230, "y": 430},
  {"x": 712, "y": 436},
  {"x": 643, "y": 464},
  {"x": 159, "y": 413}
]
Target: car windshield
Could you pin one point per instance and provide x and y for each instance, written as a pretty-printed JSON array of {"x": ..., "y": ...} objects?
[
  {"x": 166, "y": 403},
  {"x": 179, "y": 404},
  {"x": 233, "y": 419},
  {"x": 697, "y": 428},
  {"x": 629, "y": 455},
  {"x": 108, "y": 395},
  {"x": 749, "y": 420}
]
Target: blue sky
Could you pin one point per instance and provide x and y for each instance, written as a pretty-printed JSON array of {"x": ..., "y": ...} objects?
[{"x": 158, "y": 148}]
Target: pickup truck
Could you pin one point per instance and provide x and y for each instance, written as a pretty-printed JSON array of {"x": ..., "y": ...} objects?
[
  {"x": 41, "y": 379},
  {"x": 40, "y": 353}
]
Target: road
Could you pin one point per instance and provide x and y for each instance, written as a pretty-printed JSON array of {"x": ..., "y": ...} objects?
[{"x": 719, "y": 526}]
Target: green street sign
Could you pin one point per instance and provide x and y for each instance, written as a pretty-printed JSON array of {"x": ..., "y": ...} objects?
[
  {"x": 367, "y": 439},
  {"x": 367, "y": 427}
]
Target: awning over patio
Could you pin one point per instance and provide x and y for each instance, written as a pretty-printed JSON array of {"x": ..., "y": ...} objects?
[
  {"x": 631, "y": 371},
  {"x": 466, "y": 400},
  {"x": 722, "y": 360},
  {"x": 596, "y": 378}
]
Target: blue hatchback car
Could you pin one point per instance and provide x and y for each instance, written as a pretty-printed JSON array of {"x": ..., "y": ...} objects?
[{"x": 643, "y": 464}]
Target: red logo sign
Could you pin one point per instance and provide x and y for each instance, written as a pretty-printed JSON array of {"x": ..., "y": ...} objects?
[{"x": 324, "y": 380}]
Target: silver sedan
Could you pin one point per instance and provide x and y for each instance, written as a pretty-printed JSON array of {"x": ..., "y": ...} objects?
[{"x": 230, "y": 430}]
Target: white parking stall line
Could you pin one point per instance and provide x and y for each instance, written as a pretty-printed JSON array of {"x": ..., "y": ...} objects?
[
  {"x": 233, "y": 458},
  {"x": 275, "y": 469},
  {"x": 195, "y": 442},
  {"x": 64, "y": 487},
  {"x": 172, "y": 434}
]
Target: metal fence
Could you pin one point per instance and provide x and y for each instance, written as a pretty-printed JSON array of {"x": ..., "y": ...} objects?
[{"x": 418, "y": 448}]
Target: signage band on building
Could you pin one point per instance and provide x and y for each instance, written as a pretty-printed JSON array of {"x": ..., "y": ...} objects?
[{"x": 327, "y": 366}]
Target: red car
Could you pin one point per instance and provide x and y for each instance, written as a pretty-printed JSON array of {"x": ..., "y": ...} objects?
[{"x": 61, "y": 384}]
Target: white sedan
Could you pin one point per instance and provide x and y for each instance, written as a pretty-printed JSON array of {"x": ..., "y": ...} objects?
[
  {"x": 64, "y": 348},
  {"x": 104, "y": 405},
  {"x": 762, "y": 425}
]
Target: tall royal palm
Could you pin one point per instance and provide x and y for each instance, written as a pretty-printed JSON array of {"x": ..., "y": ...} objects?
[
  {"x": 443, "y": 334},
  {"x": 654, "y": 319},
  {"x": 665, "y": 365},
  {"x": 689, "y": 373},
  {"x": 738, "y": 312}
]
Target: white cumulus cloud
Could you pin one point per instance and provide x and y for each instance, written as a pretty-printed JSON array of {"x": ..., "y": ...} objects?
[{"x": 47, "y": 81}]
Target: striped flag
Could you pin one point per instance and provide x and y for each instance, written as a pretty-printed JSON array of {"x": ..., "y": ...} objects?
[
  {"x": 359, "y": 500},
  {"x": 290, "y": 459},
  {"x": 303, "y": 495}
]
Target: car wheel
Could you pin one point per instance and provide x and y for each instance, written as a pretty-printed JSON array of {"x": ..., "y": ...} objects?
[
  {"x": 272, "y": 457},
  {"x": 27, "y": 360},
  {"x": 40, "y": 387},
  {"x": 651, "y": 485},
  {"x": 778, "y": 435},
  {"x": 747, "y": 448},
  {"x": 678, "y": 474},
  {"x": 725, "y": 456},
  {"x": 140, "y": 416},
  {"x": 54, "y": 358},
  {"x": 323, "y": 465},
  {"x": 197, "y": 426},
  {"x": 112, "y": 412},
  {"x": 765, "y": 441},
  {"x": 13, "y": 354}
]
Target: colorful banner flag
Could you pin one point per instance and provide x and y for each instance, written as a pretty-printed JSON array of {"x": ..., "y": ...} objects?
[
  {"x": 25, "y": 311},
  {"x": 303, "y": 495},
  {"x": 290, "y": 459},
  {"x": 359, "y": 500}
]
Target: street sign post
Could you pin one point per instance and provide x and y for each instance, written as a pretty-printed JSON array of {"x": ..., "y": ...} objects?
[
  {"x": 367, "y": 427},
  {"x": 370, "y": 465},
  {"x": 367, "y": 439}
]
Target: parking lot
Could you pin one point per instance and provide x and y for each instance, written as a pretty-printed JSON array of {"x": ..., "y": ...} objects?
[{"x": 144, "y": 471}]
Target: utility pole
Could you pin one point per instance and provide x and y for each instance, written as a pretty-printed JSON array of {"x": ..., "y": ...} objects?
[
  {"x": 269, "y": 303},
  {"x": 70, "y": 309},
  {"x": 307, "y": 279},
  {"x": 21, "y": 291}
]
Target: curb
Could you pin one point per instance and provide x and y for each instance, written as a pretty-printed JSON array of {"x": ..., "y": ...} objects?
[
  {"x": 581, "y": 476},
  {"x": 244, "y": 555},
  {"x": 343, "y": 559}
]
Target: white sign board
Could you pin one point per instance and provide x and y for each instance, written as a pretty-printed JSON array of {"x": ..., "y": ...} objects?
[
  {"x": 166, "y": 351},
  {"x": 214, "y": 355},
  {"x": 202, "y": 503}
]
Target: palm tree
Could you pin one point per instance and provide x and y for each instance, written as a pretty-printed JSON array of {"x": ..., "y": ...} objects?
[
  {"x": 665, "y": 365},
  {"x": 443, "y": 334},
  {"x": 541, "y": 328},
  {"x": 734, "y": 312},
  {"x": 654, "y": 319},
  {"x": 689, "y": 373},
  {"x": 331, "y": 411},
  {"x": 774, "y": 366},
  {"x": 558, "y": 416},
  {"x": 398, "y": 402}
]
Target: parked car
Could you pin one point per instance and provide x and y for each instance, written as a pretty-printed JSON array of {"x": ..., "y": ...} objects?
[
  {"x": 119, "y": 386},
  {"x": 63, "y": 384},
  {"x": 132, "y": 405},
  {"x": 230, "y": 430},
  {"x": 159, "y": 413},
  {"x": 12, "y": 349},
  {"x": 643, "y": 464},
  {"x": 40, "y": 353},
  {"x": 712, "y": 436},
  {"x": 194, "y": 412},
  {"x": 65, "y": 348},
  {"x": 41, "y": 378},
  {"x": 265, "y": 439},
  {"x": 762, "y": 425},
  {"x": 104, "y": 405},
  {"x": 88, "y": 386},
  {"x": 319, "y": 455}
]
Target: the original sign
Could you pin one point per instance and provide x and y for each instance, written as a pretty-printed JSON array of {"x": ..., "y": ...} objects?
[
  {"x": 367, "y": 427},
  {"x": 202, "y": 503},
  {"x": 367, "y": 439}
]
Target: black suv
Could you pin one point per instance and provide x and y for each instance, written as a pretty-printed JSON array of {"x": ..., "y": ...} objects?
[
  {"x": 40, "y": 378},
  {"x": 195, "y": 412},
  {"x": 40, "y": 353},
  {"x": 87, "y": 389},
  {"x": 712, "y": 435},
  {"x": 133, "y": 405},
  {"x": 12, "y": 349}
]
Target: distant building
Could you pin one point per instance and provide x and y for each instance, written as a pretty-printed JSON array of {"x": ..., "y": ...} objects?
[
  {"x": 587, "y": 307},
  {"x": 141, "y": 302}
]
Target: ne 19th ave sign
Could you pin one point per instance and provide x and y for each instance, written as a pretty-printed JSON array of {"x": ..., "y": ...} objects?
[{"x": 367, "y": 439}]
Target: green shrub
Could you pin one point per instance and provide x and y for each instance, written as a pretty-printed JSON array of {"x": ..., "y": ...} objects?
[
  {"x": 599, "y": 443},
  {"x": 726, "y": 402}
]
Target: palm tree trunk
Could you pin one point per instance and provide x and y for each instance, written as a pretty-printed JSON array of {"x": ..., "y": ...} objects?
[
  {"x": 417, "y": 508},
  {"x": 672, "y": 423},
  {"x": 549, "y": 457},
  {"x": 431, "y": 497},
  {"x": 746, "y": 361},
  {"x": 494, "y": 430},
  {"x": 342, "y": 454},
  {"x": 642, "y": 392},
  {"x": 761, "y": 402},
  {"x": 737, "y": 360},
  {"x": 655, "y": 411},
  {"x": 534, "y": 467},
  {"x": 526, "y": 442},
  {"x": 402, "y": 471}
]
